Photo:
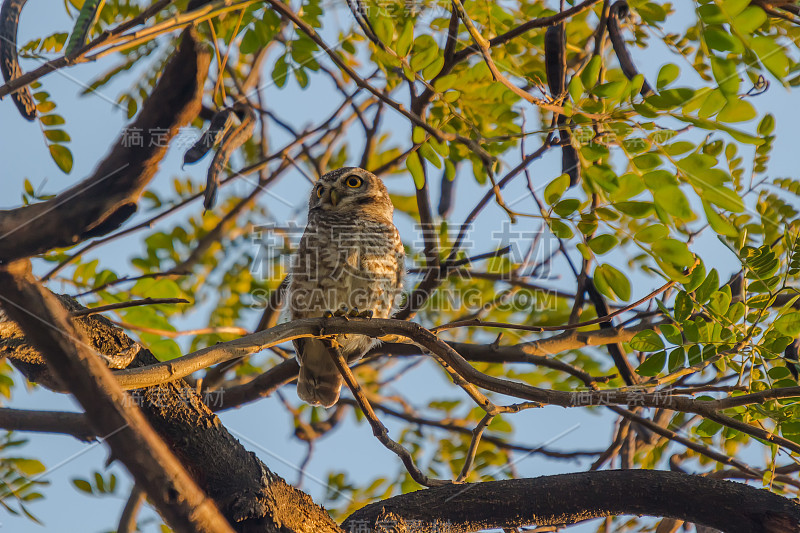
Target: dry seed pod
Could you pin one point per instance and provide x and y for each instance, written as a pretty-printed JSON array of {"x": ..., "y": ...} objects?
[
  {"x": 216, "y": 129},
  {"x": 9, "y": 63},
  {"x": 446, "y": 196},
  {"x": 232, "y": 140},
  {"x": 626, "y": 371},
  {"x": 618, "y": 11},
  {"x": 555, "y": 59},
  {"x": 555, "y": 63},
  {"x": 791, "y": 355}
]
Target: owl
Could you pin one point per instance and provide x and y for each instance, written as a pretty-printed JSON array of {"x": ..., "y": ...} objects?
[{"x": 350, "y": 259}]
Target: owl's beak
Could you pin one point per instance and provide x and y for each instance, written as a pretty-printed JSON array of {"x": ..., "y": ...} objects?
[{"x": 335, "y": 197}]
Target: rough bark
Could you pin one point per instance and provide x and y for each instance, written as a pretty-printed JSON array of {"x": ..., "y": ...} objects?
[
  {"x": 569, "y": 498},
  {"x": 75, "y": 365},
  {"x": 249, "y": 495}
]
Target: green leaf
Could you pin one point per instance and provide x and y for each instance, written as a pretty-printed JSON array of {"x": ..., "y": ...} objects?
[
  {"x": 667, "y": 75},
  {"x": 708, "y": 287},
  {"x": 612, "y": 283},
  {"x": 720, "y": 301},
  {"x": 566, "y": 207},
  {"x": 772, "y": 55},
  {"x": 790, "y": 428},
  {"x": 653, "y": 364},
  {"x": 726, "y": 74},
  {"x": 414, "y": 166},
  {"x": 677, "y": 359},
  {"x": 767, "y": 125},
  {"x": 591, "y": 72},
  {"x": 635, "y": 209},
  {"x": 280, "y": 71},
  {"x": 674, "y": 251},
  {"x": 647, "y": 161},
  {"x": 724, "y": 198},
  {"x": 603, "y": 243},
  {"x": 82, "y": 485},
  {"x": 736, "y": 312},
  {"x": 51, "y": 120},
  {"x": 62, "y": 157},
  {"x": 559, "y": 229},
  {"x": 737, "y": 111},
  {"x": 717, "y": 223},
  {"x": 647, "y": 341},
  {"x": 99, "y": 482},
  {"x": 788, "y": 324},
  {"x": 405, "y": 40},
  {"x": 672, "y": 200},
  {"x": 722, "y": 41},
  {"x": 672, "y": 333},
  {"x": 708, "y": 428},
  {"x": 749, "y": 19},
  {"x": 697, "y": 277},
  {"x": 45, "y": 107},
  {"x": 652, "y": 233},
  {"x": 425, "y": 52},
  {"x": 556, "y": 188},
  {"x": 57, "y": 136}
]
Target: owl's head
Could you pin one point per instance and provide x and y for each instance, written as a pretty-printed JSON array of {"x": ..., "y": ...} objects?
[{"x": 351, "y": 190}]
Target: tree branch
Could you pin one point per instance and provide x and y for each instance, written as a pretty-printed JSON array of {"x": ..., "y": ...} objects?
[
  {"x": 569, "y": 498},
  {"x": 104, "y": 200},
  {"x": 131, "y": 439}
]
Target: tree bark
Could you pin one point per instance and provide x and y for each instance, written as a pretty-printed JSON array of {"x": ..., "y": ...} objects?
[
  {"x": 249, "y": 495},
  {"x": 68, "y": 354},
  {"x": 569, "y": 498}
]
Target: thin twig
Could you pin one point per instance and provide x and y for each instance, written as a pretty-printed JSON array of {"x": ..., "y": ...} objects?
[
  {"x": 124, "y": 305},
  {"x": 378, "y": 429}
]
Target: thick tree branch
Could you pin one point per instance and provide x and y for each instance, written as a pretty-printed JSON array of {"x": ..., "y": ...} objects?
[
  {"x": 569, "y": 498},
  {"x": 248, "y": 493},
  {"x": 74, "y": 424},
  {"x": 132, "y": 440},
  {"x": 104, "y": 200}
]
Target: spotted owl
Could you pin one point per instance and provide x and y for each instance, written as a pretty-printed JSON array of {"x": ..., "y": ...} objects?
[{"x": 349, "y": 258}]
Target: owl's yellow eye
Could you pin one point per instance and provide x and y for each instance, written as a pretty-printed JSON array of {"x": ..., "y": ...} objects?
[
  {"x": 319, "y": 191},
  {"x": 354, "y": 181}
]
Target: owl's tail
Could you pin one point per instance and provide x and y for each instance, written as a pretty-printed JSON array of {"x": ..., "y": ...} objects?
[{"x": 319, "y": 381}]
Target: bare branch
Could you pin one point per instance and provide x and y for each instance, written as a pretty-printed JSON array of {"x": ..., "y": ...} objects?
[{"x": 125, "y": 305}]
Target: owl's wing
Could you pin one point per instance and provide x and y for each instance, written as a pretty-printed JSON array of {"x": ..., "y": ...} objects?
[{"x": 319, "y": 381}]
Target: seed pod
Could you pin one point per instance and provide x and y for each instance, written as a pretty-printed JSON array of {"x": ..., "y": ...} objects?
[
  {"x": 232, "y": 140},
  {"x": 90, "y": 11},
  {"x": 620, "y": 10},
  {"x": 790, "y": 354},
  {"x": 9, "y": 63},
  {"x": 615, "y": 350},
  {"x": 555, "y": 59},
  {"x": 216, "y": 129},
  {"x": 446, "y": 195},
  {"x": 555, "y": 63}
]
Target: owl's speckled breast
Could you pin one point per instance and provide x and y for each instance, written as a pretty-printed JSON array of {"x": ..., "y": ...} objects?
[{"x": 351, "y": 263}]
